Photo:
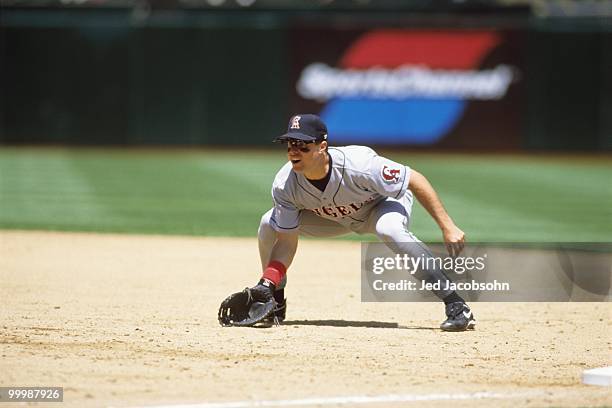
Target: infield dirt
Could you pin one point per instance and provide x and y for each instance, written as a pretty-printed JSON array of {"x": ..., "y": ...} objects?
[{"x": 124, "y": 320}]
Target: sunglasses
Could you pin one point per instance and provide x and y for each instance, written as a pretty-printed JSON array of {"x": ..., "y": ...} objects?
[{"x": 301, "y": 145}]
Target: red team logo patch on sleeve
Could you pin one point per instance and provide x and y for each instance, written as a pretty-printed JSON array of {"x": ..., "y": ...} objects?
[{"x": 390, "y": 175}]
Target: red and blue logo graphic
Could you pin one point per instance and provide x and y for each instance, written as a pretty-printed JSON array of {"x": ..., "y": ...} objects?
[{"x": 404, "y": 86}]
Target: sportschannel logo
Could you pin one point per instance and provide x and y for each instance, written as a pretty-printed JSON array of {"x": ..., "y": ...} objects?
[{"x": 321, "y": 82}]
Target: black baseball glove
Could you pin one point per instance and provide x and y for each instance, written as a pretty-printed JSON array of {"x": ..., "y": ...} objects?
[{"x": 249, "y": 307}]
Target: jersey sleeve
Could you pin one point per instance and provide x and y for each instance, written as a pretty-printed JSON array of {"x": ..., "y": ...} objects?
[
  {"x": 387, "y": 178},
  {"x": 285, "y": 215}
]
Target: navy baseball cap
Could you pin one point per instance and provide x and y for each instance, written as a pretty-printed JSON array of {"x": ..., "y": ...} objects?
[{"x": 306, "y": 127}]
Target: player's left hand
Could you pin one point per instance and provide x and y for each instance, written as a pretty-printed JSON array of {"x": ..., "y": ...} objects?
[
  {"x": 249, "y": 307},
  {"x": 454, "y": 239}
]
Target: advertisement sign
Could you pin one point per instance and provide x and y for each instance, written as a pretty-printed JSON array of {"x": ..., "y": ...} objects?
[{"x": 411, "y": 87}]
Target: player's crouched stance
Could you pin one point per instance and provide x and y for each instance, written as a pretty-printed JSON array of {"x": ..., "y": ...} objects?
[{"x": 328, "y": 191}]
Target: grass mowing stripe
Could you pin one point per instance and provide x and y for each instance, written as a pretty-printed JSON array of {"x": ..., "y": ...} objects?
[
  {"x": 36, "y": 190},
  {"x": 535, "y": 200},
  {"x": 184, "y": 195},
  {"x": 225, "y": 193}
]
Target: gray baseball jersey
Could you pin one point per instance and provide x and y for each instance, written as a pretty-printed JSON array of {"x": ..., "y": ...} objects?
[{"x": 359, "y": 180}]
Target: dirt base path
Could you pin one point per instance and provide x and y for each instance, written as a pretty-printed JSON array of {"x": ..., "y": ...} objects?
[{"x": 121, "y": 320}]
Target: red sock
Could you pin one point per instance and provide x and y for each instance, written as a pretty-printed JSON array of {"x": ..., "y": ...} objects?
[{"x": 275, "y": 272}]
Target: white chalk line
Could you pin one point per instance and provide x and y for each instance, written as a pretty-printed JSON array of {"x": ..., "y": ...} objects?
[{"x": 344, "y": 400}]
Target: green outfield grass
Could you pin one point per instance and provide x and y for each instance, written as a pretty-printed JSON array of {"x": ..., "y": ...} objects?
[{"x": 225, "y": 192}]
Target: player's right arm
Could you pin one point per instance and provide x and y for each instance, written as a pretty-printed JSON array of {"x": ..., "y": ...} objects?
[
  {"x": 427, "y": 196},
  {"x": 392, "y": 179}
]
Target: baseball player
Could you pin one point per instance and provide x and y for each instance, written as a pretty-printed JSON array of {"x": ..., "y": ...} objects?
[{"x": 328, "y": 191}]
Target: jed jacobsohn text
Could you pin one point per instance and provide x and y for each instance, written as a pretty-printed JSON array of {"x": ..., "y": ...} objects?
[
  {"x": 404, "y": 284},
  {"x": 412, "y": 264}
]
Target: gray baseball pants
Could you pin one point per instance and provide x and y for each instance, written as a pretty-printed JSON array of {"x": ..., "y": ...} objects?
[{"x": 389, "y": 220}]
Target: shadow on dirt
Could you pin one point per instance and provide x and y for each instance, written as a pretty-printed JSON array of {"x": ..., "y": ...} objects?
[{"x": 353, "y": 323}]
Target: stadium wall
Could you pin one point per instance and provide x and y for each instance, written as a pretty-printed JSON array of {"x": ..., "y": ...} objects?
[{"x": 109, "y": 77}]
